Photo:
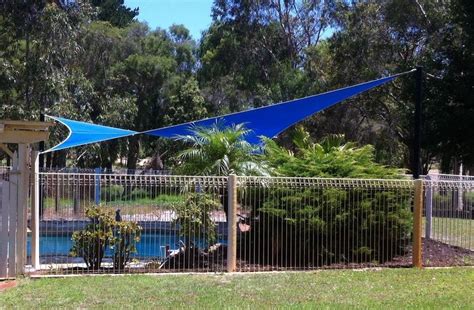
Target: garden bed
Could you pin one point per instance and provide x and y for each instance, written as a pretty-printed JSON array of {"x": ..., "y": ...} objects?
[{"x": 435, "y": 254}]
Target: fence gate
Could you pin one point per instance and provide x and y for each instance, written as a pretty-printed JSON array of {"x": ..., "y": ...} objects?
[{"x": 14, "y": 189}]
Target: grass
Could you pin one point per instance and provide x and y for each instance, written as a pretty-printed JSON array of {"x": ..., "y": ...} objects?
[
  {"x": 458, "y": 232},
  {"x": 134, "y": 205},
  {"x": 388, "y": 288}
]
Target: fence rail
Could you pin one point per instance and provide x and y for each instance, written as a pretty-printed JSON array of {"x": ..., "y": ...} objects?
[{"x": 108, "y": 223}]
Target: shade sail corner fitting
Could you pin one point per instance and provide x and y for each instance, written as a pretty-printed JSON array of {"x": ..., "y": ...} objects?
[{"x": 82, "y": 133}]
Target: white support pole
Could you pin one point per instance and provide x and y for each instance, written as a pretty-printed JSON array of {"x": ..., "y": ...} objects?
[
  {"x": 35, "y": 220},
  {"x": 460, "y": 189},
  {"x": 428, "y": 209}
]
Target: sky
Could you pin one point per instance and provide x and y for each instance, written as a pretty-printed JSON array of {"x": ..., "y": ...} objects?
[{"x": 194, "y": 14}]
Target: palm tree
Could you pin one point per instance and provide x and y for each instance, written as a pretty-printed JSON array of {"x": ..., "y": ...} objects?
[{"x": 220, "y": 151}]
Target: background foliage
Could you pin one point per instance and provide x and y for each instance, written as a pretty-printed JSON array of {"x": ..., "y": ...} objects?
[{"x": 91, "y": 60}]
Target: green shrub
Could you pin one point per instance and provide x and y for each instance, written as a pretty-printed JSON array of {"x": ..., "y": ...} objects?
[
  {"x": 124, "y": 240},
  {"x": 111, "y": 193},
  {"x": 91, "y": 242},
  {"x": 327, "y": 224},
  {"x": 193, "y": 218},
  {"x": 331, "y": 157},
  {"x": 104, "y": 232}
]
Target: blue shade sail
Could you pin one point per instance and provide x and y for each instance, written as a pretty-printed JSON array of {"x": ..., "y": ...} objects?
[
  {"x": 266, "y": 121},
  {"x": 81, "y": 133},
  {"x": 271, "y": 120}
]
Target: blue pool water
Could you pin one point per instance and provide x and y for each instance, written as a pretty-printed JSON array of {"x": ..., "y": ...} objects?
[{"x": 151, "y": 245}]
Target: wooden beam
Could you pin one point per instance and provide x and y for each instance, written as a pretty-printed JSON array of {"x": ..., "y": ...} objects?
[
  {"x": 232, "y": 224},
  {"x": 23, "y": 132},
  {"x": 23, "y": 137},
  {"x": 417, "y": 257},
  {"x": 26, "y": 124},
  {"x": 6, "y": 149}
]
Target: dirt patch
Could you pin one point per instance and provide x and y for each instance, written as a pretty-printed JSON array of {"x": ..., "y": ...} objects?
[{"x": 7, "y": 284}]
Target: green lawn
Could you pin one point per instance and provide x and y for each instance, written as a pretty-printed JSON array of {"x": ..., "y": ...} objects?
[
  {"x": 135, "y": 205},
  {"x": 458, "y": 232},
  {"x": 388, "y": 288}
]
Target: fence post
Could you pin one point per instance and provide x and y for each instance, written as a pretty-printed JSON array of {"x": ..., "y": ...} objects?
[
  {"x": 22, "y": 209},
  {"x": 4, "y": 228},
  {"x": 231, "y": 223},
  {"x": 12, "y": 213},
  {"x": 428, "y": 209},
  {"x": 417, "y": 223},
  {"x": 35, "y": 212}
]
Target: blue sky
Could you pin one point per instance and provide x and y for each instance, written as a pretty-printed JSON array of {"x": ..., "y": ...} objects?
[{"x": 194, "y": 14}]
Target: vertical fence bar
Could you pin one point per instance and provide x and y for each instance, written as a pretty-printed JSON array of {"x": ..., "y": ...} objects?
[
  {"x": 35, "y": 212},
  {"x": 417, "y": 223},
  {"x": 231, "y": 224},
  {"x": 97, "y": 173}
]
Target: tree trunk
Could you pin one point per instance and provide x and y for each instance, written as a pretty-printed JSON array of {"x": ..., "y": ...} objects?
[
  {"x": 59, "y": 159},
  {"x": 133, "y": 150}
]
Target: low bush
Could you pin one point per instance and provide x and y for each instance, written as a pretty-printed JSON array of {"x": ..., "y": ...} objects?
[
  {"x": 193, "y": 219},
  {"x": 103, "y": 233}
]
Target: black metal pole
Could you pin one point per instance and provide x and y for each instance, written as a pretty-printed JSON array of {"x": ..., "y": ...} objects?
[{"x": 418, "y": 119}]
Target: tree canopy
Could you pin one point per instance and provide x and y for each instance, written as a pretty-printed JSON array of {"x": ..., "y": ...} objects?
[{"x": 91, "y": 60}]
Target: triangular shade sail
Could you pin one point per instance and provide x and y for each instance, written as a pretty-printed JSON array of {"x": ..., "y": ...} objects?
[
  {"x": 271, "y": 120},
  {"x": 266, "y": 121},
  {"x": 81, "y": 133}
]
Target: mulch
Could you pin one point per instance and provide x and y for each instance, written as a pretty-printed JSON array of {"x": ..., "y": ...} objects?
[
  {"x": 438, "y": 254},
  {"x": 435, "y": 254}
]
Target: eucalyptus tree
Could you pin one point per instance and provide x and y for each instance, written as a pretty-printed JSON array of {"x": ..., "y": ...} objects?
[
  {"x": 252, "y": 54},
  {"x": 115, "y": 12},
  {"x": 375, "y": 38}
]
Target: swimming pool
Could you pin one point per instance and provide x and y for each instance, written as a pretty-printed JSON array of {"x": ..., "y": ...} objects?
[{"x": 151, "y": 246}]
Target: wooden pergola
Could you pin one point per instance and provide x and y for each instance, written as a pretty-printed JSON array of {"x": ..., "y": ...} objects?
[
  {"x": 23, "y": 132},
  {"x": 15, "y": 189}
]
